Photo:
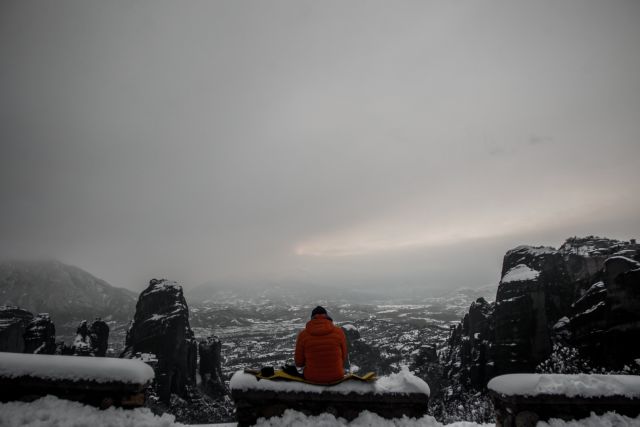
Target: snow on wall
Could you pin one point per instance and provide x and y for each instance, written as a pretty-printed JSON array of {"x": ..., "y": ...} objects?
[
  {"x": 74, "y": 368},
  {"x": 580, "y": 385},
  {"x": 404, "y": 382},
  {"x": 610, "y": 419},
  {"x": 292, "y": 418},
  {"x": 51, "y": 411},
  {"x": 520, "y": 273}
]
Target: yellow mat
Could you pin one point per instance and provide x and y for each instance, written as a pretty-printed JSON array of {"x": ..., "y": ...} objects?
[{"x": 280, "y": 375}]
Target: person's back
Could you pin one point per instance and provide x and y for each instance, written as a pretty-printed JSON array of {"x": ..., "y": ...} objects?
[{"x": 321, "y": 349}]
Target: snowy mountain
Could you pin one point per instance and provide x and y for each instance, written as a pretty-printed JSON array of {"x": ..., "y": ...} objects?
[{"x": 66, "y": 292}]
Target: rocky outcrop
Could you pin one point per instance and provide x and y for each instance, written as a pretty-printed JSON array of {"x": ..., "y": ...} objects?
[
  {"x": 91, "y": 340},
  {"x": 586, "y": 294},
  {"x": 40, "y": 336},
  {"x": 161, "y": 328},
  {"x": 99, "y": 331},
  {"x": 469, "y": 358},
  {"x": 604, "y": 323},
  {"x": 13, "y": 325},
  {"x": 211, "y": 367},
  {"x": 362, "y": 357},
  {"x": 538, "y": 288}
]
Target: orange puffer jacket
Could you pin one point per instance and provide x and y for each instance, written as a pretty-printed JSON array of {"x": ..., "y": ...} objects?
[{"x": 322, "y": 349}]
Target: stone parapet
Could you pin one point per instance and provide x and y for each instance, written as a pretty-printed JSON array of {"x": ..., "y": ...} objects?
[{"x": 521, "y": 400}]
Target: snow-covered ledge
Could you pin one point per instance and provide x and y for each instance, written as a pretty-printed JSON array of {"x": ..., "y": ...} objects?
[
  {"x": 390, "y": 397},
  {"x": 523, "y": 399},
  {"x": 100, "y": 381}
]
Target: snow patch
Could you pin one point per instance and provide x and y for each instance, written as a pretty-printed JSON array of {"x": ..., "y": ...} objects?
[
  {"x": 582, "y": 385},
  {"x": 51, "y": 411},
  {"x": 520, "y": 273},
  {"x": 74, "y": 368}
]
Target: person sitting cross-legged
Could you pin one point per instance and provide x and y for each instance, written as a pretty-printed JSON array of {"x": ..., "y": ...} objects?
[{"x": 321, "y": 349}]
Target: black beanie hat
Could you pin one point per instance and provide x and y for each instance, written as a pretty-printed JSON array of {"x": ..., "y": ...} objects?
[{"x": 320, "y": 310}]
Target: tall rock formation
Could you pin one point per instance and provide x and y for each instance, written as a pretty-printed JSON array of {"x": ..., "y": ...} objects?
[
  {"x": 363, "y": 357},
  {"x": 468, "y": 359},
  {"x": 586, "y": 294},
  {"x": 161, "y": 327},
  {"x": 604, "y": 323},
  {"x": 40, "y": 336},
  {"x": 99, "y": 332},
  {"x": 13, "y": 324},
  {"x": 538, "y": 287},
  {"x": 211, "y": 367},
  {"x": 91, "y": 340}
]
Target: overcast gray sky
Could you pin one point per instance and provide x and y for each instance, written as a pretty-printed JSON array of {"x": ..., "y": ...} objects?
[{"x": 359, "y": 143}]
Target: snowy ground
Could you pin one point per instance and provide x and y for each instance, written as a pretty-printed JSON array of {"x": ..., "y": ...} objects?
[{"x": 54, "y": 412}]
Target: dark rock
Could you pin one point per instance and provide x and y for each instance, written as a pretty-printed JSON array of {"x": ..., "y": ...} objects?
[
  {"x": 426, "y": 365},
  {"x": 91, "y": 340},
  {"x": 40, "y": 336},
  {"x": 363, "y": 357},
  {"x": 211, "y": 367},
  {"x": 13, "y": 325},
  {"x": 82, "y": 343},
  {"x": 622, "y": 279},
  {"x": 63, "y": 349},
  {"x": 161, "y": 328},
  {"x": 527, "y": 310},
  {"x": 469, "y": 359},
  {"x": 99, "y": 333},
  {"x": 351, "y": 332},
  {"x": 586, "y": 294}
]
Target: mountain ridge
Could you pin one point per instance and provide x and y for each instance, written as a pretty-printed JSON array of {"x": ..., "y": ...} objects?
[{"x": 64, "y": 291}]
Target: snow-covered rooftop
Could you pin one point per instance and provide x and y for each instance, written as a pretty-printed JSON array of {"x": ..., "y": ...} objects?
[
  {"x": 74, "y": 368},
  {"x": 404, "y": 382},
  {"x": 580, "y": 385},
  {"x": 520, "y": 273}
]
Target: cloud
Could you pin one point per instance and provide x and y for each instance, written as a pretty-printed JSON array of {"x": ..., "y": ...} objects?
[{"x": 225, "y": 142}]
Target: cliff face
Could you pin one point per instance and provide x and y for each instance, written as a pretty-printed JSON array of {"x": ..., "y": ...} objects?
[
  {"x": 362, "y": 357},
  {"x": 161, "y": 327},
  {"x": 40, "y": 336},
  {"x": 604, "y": 324},
  {"x": 91, "y": 340},
  {"x": 468, "y": 359},
  {"x": 211, "y": 367},
  {"x": 586, "y": 293},
  {"x": 13, "y": 325}
]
